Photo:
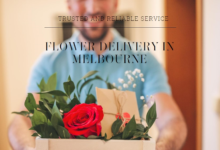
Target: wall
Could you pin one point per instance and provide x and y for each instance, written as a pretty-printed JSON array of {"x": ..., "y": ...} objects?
[
  {"x": 22, "y": 40},
  {"x": 23, "y": 37},
  {"x": 153, "y": 8},
  {"x": 211, "y": 73},
  {"x": 3, "y": 109}
]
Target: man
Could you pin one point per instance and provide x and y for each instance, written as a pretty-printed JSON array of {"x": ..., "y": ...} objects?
[{"x": 170, "y": 122}]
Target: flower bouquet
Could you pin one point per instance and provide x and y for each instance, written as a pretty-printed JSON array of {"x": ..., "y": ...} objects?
[{"x": 61, "y": 121}]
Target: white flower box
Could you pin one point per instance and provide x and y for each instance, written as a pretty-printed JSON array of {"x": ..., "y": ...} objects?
[{"x": 94, "y": 144}]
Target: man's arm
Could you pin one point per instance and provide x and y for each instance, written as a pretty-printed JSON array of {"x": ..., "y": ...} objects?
[
  {"x": 19, "y": 134},
  {"x": 170, "y": 122}
]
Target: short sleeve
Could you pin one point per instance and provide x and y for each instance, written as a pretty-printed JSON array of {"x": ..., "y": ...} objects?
[
  {"x": 39, "y": 70},
  {"x": 155, "y": 77}
]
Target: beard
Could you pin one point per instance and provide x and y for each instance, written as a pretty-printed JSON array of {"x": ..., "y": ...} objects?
[{"x": 94, "y": 39}]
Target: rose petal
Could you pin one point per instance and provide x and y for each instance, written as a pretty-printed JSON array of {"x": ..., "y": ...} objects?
[{"x": 84, "y": 119}]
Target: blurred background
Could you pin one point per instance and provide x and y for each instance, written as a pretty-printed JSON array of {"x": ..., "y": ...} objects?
[{"x": 192, "y": 67}]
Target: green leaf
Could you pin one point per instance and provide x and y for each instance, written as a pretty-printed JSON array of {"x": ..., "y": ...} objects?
[
  {"x": 116, "y": 126},
  {"x": 129, "y": 129},
  {"x": 48, "y": 97},
  {"x": 46, "y": 131},
  {"x": 139, "y": 134},
  {"x": 61, "y": 103},
  {"x": 73, "y": 102},
  {"x": 117, "y": 136},
  {"x": 56, "y": 110},
  {"x": 46, "y": 105},
  {"x": 93, "y": 137},
  {"x": 62, "y": 132},
  {"x": 105, "y": 137},
  {"x": 51, "y": 132},
  {"x": 77, "y": 88},
  {"x": 75, "y": 96},
  {"x": 61, "y": 99},
  {"x": 90, "y": 99},
  {"x": 56, "y": 120},
  {"x": 23, "y": 113},
  {"x": 54, "y": 92},
  {"x": 89, "y": 74},
  {"x": 49, "y": 123},
  {"x": 46, "y": 113},
  {"x": 69, "y": 87},
  {"x": 98, "y": 78},
  {"x": 32, "y": 128},
  {"x": 88, "y": 81},
  {"x": 136, "y": 138},
  {"x": 110, "y": 86},
  {"x": 57, "y": 123},
  {"x": 39, "y": 128},
  {"x": 151, "y": 115},
  {"x": 85, "y": 83},
  {"x": 69, "y": 78},
  {"x": 107, "y": 79},
  {"x": 35, "y": 134},
  {"x": 30, "y": 103},
  {"x": 38, "y": 118},
  {"x": 146, "y": 137},
  {"x": 80, "y": 137},
  {"x": 41, "y": 106},
  {"x": 146, "y": 129},
  {"x": 140, "y": 127},
  {"x": 42, "y": 85},
  {"x": 90, "y": 88},
  {"x": 52, "y": 82}
]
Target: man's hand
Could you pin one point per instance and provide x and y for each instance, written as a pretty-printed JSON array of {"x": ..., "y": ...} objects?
[
  {"x": 19, "y": 134},
  {"x": 170, "y": 122}
]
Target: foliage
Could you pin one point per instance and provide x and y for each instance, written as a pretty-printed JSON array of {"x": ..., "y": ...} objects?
[{"x": 47, "y": 116}]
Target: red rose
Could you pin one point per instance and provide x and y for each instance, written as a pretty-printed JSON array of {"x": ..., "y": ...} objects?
[{"x": 84, "y": 119}]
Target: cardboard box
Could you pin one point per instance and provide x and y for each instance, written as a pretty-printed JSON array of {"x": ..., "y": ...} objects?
[
  {"x": 113, "y": 102},
  {"x": 94, "y": 144}
]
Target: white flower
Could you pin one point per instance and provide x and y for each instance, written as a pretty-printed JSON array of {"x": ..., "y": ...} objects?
[
  {"x": 136, "y": 76},
  {"x": 125, "y": 85},
  {"x": 126, "y": 72},
  {"x": 142, "y": 97},
  {"x": 134, "y": 85},
  {"x": 129, "y": 76},
  {"x": 134, "y": 72},
  {"x": 129, "y": 82},
  {"x": 113, "y": 84},
  {"x": 142, "y": 79},
  {"x": 120, "y": 80},
  {"x": 119, "y": 87},
  {"x": 131, "y": 79},
  {"x": 137, "y": 70},
  {"x": 141, "y": 75}
]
